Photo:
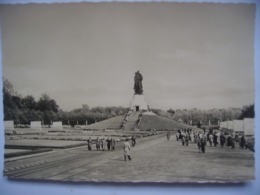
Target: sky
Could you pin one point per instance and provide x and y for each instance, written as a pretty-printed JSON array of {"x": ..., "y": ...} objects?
[{"x": 191, "y": 55}]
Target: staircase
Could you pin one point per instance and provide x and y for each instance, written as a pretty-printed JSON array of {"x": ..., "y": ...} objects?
[{"x": 129, "y": 126}]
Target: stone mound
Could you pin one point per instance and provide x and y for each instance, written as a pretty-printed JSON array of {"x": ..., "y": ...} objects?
[
  {"x": 150, "y": 122},
  {"x": 112, "y": 123}
]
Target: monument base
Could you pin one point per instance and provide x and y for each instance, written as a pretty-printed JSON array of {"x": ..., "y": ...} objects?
[{"x": 138, "y": 103}]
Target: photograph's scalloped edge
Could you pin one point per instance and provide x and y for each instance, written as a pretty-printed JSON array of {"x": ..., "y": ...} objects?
[
  {"x": 13, "y": 2},
  {"x": 23, "y": 2}
]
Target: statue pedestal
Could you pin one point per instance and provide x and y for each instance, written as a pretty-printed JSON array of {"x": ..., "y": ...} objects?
[{"x": 138, "y": 103}]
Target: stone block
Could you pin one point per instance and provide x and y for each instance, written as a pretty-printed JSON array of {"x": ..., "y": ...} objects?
[
  {"x": 9, "y": 125},
  {"x": 36, "y": 125}
]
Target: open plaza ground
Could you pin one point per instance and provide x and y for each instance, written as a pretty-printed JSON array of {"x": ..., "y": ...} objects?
[{"x": 154, "y": 158}]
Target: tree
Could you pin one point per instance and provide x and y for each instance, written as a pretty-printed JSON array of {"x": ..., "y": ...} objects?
[
  {"x": 29, "y": 102},
  {"x": 171, "y": 111},
  {"x": 248, "y": 112},
  {"x": 10, "y": 100},
  {"x": 8, "y": 87},
  {"x": 45, "y": 103},
  {"x": 85, "y": 107}
]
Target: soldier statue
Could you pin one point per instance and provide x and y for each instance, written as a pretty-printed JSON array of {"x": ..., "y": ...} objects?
[{"x": 138, "y": 87}]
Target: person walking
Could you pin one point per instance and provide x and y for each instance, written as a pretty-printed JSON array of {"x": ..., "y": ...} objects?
[
  {"x": 187, "y": 139},
  {"x": 183, "y": 138},
  {"x": 215, "y": 139},
  {"x": 210, "y": 139},
  {"x": 101, "y": 144},
  {"x": 192, "y": 137},
  {"x": 177, "y": 136},
  {"x": 229, "y": 141},
  {"x": 104, "y": 144},
  {"x": 133, "y": 140},
  {"x": 108, "y": 143},
  {"x": 126, "y": 149},
  {"x": 242, "y": 142},
  {"x": 113, "y": 144},
  {"x": 233, "y": 142},
  {"x": 168, "y": 135},
  {"x": 98, "y": 144},
  {"x": 222, "y": 140},
  {"x": 89, "y": 144},
  {"x": 203, "y": 141}
]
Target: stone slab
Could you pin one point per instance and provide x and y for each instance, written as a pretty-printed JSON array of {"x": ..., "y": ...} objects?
[
  {"x": 230, "y": 125},
  {"x": 36, "y": 125},
  {"x": 9, "y": 125},
  {"x": 57, "y": 125},
  {"x": 238, "y": 126},
  {"x": 249, "y": 126}
]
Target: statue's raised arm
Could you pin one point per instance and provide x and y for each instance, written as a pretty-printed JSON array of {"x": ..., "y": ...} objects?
[{"x": 138, "y": 87}]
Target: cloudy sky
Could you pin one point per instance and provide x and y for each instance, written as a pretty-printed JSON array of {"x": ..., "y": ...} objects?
[{"x": 190, "y": 55}]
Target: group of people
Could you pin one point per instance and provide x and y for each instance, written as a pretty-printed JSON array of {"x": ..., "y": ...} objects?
[
  {"x": 188, "y": 135},
  {"x": 229, "y": 140},
  {"x": 202, "y": 138},
  {"x": 110, "y": 145},
  {"x": 102, "y": 144},
  {"x": 185, "y": 135}
]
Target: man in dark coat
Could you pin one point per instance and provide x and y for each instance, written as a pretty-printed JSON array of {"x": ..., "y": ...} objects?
[
  {"x": 222, "y": 140},
  {"x": 242, "y": 141},
  {"x": 133, "y": 140},
  {"x": 113, "y": 144},
  {"x": 168, "y": 135},
  {"x": 108, "y": 144},
  {"x": 229, "y": 141},
  {"x": 215, "y": 139},
  {"x": 89, "y": 144}
]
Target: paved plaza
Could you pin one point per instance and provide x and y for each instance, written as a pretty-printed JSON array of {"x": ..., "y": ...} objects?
[{"x": 153, "y": 159}]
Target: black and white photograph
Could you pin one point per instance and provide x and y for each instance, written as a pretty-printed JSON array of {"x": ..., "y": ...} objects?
[{"x": 129, "y": 92}]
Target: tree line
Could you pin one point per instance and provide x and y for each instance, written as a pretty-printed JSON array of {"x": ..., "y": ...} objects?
[
  {"x": 202, "y": 117},
  {"x": 22, "y": 110}
]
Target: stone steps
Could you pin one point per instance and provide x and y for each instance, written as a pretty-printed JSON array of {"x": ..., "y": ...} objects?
[{"x": 129, "y": 126}]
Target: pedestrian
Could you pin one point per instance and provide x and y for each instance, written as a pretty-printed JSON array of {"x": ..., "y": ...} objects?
[
  {"x": 215, "y": 139},
  {"x": 222, "y": 140},
  {"x": 126, "y": 149},
  {"x": 210, "y": 139},
  {"x": 101, "y": 144},
  {"x": 133, "y": 140},
  {"x": 89, "y": 144},
  {"x": 108, "y": 143},
  {"x": 180, "y": 135},
  {"x": 242, "y": 141},
  {"x": 113, "y": 144},
  {"x": 233, "y": 141},
  {"x": 183, "y": 138},
  {"x": 187, "y": 139},
  {"x": 168, "y": 135},
  {"x": 98, "y": 144},
  {"x": 177, "y": 136},
  {"x": 192, "y": 137},
  {"x": 203, "y": 141},
  {"x": 229, "y": 141},
  {"x": 196, "y": 138},
  {"x": 199, "y": 137},
  {"x": 104, "y": 144}
]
